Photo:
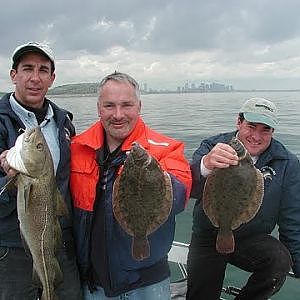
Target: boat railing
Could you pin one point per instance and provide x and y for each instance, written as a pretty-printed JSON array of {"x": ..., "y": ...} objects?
[{"x": 178, "y": 254}]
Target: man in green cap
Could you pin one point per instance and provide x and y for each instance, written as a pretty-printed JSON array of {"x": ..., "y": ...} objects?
[{"x": 267, "y": 258}]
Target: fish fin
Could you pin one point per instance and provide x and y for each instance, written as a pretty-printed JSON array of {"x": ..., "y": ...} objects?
[
  {"x": 45, "y": 297},
  {"x": 25, "y": 245},
  {"x": 259, "y": 192},
  {"x": 58, "y": 275},
  {"x": 225, "y": 242},
  {"x": 169, "y": 191},
  {"x": 57, "y": 243},
  {"x": 61, "y": 207},
  {"x": 27, "y": 191},
  {"x": 35, "y": 278},
  {"x": 140, "y": 248},
  {"x": 207, "y": 199}
]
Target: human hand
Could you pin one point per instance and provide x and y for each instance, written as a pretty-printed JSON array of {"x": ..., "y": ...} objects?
[
  {"x": 221, "y": 156},
  {"x": 10, "y": 172}
]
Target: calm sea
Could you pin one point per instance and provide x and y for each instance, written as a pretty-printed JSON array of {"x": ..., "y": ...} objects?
[{"x": 193, "y": 117}]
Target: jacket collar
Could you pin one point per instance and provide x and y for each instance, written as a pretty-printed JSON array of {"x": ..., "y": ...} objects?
[
  {"x": 93, "y": 137},
  {"x": 59, "y": 113},
  {"x": 137, "y": 135},
  {"x": 275, "y": 151}
]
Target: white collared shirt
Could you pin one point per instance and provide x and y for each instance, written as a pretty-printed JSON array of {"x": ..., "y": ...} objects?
[{"x": 48, "y": 127}]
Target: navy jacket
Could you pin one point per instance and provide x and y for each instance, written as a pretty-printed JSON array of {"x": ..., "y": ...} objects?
[
  {"x": 281, "y": 202},
  {"x": 10, "y": 125}
]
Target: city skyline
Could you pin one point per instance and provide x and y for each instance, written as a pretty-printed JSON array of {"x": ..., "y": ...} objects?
[{"x": 191, "y": 86}]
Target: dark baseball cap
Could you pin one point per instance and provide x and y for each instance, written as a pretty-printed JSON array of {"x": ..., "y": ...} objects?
[{"x": 32, "y": 47}]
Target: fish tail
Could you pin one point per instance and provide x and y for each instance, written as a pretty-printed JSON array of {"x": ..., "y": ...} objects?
[
  {"x": 47, "y": 296},
  {"x": 140, "y": 248},
  {"x": 225, "y": 242},
  {"x": 52, "y": 277},
  {"x": 48, "y": 292}
]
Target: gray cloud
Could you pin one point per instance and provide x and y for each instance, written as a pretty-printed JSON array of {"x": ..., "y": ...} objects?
[{"x": 225, "y": 40}]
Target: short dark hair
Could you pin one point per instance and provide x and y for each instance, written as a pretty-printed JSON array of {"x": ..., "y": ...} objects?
[
  {"x": 241, "y": 117},
  {"x": 17, "y": 61}
]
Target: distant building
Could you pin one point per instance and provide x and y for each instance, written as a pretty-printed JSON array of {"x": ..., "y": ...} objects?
[
  {"x": 205, "y": 87},
  {"x": 145, "y": 87},
  {"x": 190, "y": 87}
]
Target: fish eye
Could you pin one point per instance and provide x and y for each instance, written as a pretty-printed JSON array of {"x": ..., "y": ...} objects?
[{"x": 39, "y": 146}]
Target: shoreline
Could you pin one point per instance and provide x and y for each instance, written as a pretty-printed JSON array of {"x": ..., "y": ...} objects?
[{"x": 175, "y": 92}]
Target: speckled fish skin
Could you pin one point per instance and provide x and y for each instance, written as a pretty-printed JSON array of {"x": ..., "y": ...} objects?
[
  {"x": 39, "y": 205},
  {"x": 142, "y": 199},
  {"x": 232, "y": 196}
]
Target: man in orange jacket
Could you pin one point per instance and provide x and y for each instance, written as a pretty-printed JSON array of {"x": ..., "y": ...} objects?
[{"x": 108, "y": 270}]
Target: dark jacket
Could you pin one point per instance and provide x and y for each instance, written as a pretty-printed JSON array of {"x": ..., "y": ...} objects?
[
  {"x": 10, "y": 125},
  {"x": 118, "y": 270},
  {"x": 281, "y": 202}
]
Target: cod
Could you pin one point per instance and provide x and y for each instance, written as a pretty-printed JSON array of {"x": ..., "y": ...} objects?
[{"x": 39, "y": 206}]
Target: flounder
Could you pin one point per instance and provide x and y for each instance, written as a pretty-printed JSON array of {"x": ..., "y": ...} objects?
[
  {"x": 142, "y": 198},
  {"x": 232, "y": 196}
]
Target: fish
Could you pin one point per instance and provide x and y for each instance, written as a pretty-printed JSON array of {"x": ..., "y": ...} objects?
[
  {"x": 39, "y": 207},
  {"x": 142, "y": 199},
  {"x": 233, "y": 196}
]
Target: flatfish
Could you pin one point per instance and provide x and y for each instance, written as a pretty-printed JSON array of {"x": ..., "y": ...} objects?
[
  {"x": 142, "y": 198},
  {"x": 232, "y": 196}
]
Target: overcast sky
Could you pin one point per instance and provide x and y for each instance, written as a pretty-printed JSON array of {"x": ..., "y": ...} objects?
[{"x": 250, "y": 44}]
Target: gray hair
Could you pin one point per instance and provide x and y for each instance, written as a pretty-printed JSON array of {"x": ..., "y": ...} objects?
[{"x": 120, "y": 77}]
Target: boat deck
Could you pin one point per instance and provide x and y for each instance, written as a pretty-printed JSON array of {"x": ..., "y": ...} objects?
[{"x": 178, "y": 254}]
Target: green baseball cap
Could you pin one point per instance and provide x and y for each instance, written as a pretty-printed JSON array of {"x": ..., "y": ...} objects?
[{"x": 260, "y": 110}]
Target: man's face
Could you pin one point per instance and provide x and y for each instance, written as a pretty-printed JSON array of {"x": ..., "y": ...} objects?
[
  {"x": 32, "y": 79},
  {"x": 256, "y": 137},
  {"x": 118, "y": 109}
]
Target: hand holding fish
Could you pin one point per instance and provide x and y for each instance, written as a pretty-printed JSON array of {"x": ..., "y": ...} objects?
[
  {"x": 39, "y": 206},
  {"x": 11, "y": 172},
  {"x": 221, "y": 156}
]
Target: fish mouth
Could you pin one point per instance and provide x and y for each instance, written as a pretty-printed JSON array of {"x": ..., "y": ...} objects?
[
  {"x": 140, "y": 154},
  {"x": 137, "y": 149},
  {"x": 136, "y": 145},
  {"x": 239, "y": 147},
  {"x": 29, "y": 132}
]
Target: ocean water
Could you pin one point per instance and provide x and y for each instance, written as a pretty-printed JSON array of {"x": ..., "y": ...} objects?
[{"x": 191, "y": 118}]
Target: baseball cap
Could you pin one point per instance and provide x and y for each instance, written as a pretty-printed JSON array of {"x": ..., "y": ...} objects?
[
  {"x": 260, "y": 110},
  {"x": 32, "y": 47}
]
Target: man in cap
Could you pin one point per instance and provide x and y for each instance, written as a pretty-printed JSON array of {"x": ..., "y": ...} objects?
[
  {"x": 32, "y": 73},
  {"x": 256, "y": 250}
]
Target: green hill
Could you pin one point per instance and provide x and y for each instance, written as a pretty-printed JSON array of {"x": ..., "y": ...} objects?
[
  {"x": 72, "y": 89},
  {"x": 76, "y": 88}
]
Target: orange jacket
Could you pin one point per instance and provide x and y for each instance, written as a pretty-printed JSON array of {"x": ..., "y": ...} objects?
[{"x": 85, "y": 170}]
